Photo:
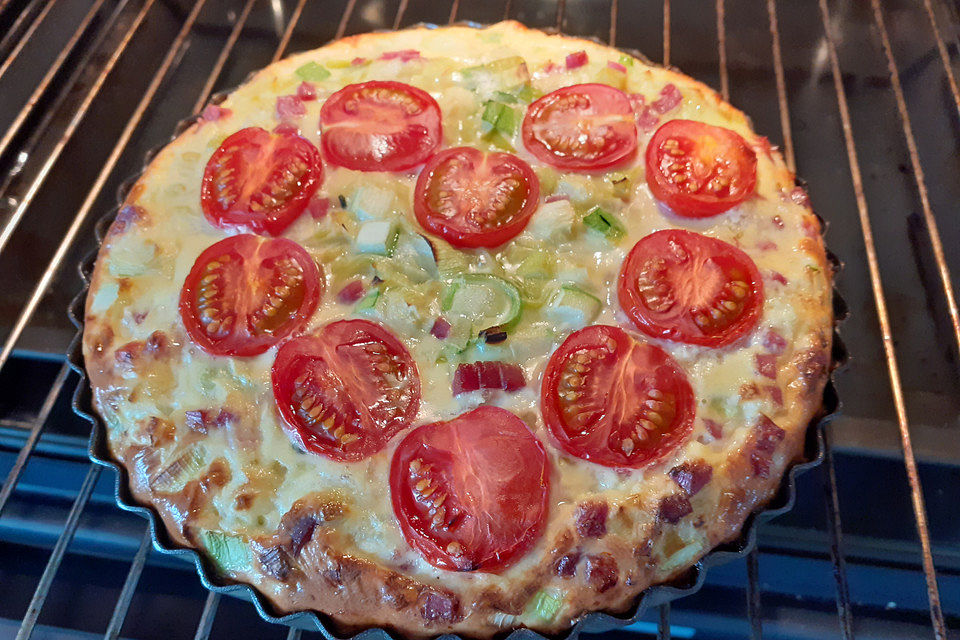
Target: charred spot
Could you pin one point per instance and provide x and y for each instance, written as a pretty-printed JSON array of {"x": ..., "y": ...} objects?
[
  {"x": 275, "y": 562},
  {"x": 439, "y": 606},
  {"x": 592, "y": 519},
  {"x": 566, "y": 566},
  {"x": 127, "y": 215},
  {"x": 244, "y": 501},
  {"x": 749, "y": 391},
  {"x": 217, "y": 475},
  {"x": 398, "y": 592},
  {"x": 157, "y": 343},
  {"x": 674, "y": 507},
  {"x": 205, "y": 420},
  {"x": 692, "y": 476},
  {"x": 812, "y": 365},
  {"x": 341, "y": 571},
  {"x": 160, "y": 431},
  {"x": 102, "y": 339},
  {"x": 301, "y": 533},
  {"x": 602, "y": 572},
  {"x": 765, "y": 438}
]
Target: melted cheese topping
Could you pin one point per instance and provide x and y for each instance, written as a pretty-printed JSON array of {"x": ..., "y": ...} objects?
[{"x": 137, "y": 291}]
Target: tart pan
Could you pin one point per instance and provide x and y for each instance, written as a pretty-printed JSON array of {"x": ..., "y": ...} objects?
[{"x": 594, "y": 622}]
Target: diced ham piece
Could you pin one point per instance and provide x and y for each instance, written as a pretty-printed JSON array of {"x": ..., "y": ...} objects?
[
  {"x": 714, "y": 428},
  {"x": 404, "y": 55},
  {"x": 351, "y": 292},
  {"x": 765, "y": 438},
  {"x": 556, "y": 197},
  {"x": 474, "y": 376},
  {"x": 576, "y": 59},
  {"x": 616, "y": 66},
  {"x": 592, "y": 519},
  {"x": 774, "y": 342},
  {"x": 669, "y": 99},
  {"x": 318, "y": 207},
  {"x": 674, "y": 507},
  {"x": 290, "y": 107},
  {"x": 356, "y": 62},
  {"x": 307, "y": 92},
  {"x": 203, "y": 420},
  {"x": 692, "y": 476},
  {"x": 766, "y": 364},
  {"x": 440, "y": 329},
  {"x": 286, "y": 129},
  {"x": 213, "y": 112}
]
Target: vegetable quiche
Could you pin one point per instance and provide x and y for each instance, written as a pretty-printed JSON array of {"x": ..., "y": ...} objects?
[{"x": 460, "y": 329}]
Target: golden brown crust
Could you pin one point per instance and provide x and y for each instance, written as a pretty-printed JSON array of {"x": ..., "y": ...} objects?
[{"x": 601, "y": 551}]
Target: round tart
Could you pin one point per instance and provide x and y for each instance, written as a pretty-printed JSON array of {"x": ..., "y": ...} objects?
[{"x": 460, "y": 329}]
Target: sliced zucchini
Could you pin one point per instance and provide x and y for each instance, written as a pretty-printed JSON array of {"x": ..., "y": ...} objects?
[
  {"x": 545, "y": 604},
  {"x": 378, "y": 237},
  {"x": 483, "y": 300},
  {"x": 368, "y": 302},
  {"x": 413, "y": 256},
  {"x": 312, "y": 72},
  {"x": 534, "y": 274},
  {"x": 605, "y": 223},
  {"x": 506, "y": 74},
  {"x": 230, "y": 552},
  {"x": 573, "y": 307}
]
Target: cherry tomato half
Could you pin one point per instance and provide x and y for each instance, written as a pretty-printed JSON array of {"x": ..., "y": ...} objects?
[
  {"x": 246, "y": 293},
  {"x": 471, "y": 493},
  {"x": 380, "y": 126},
  {"x": 699, "y": 170},
  {"x": 259, "y": 181},
  {"x": 688, "y": 287},
  {"x": 612, "y": 400},
  {"x": 475, "y": 199},
  {"x": 584, "y": 127},
  {"x": 344, "y": 391}
]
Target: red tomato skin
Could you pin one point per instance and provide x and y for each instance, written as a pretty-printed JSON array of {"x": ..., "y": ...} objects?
[
  {"x": 617, "y": 103},
  {"x": 536, "y": 464},
  {"x": 690, "y": 205},
  {"x": 686, "y": 330},
  {"x": 313, "y": 285},
  {"x": 428, "y": 134},
  {"x": 453, "y": 230},
  {"x": 240, "y": 217},
  {"x": 550, "y": 403},
  {"x": 338, "y": 333}
]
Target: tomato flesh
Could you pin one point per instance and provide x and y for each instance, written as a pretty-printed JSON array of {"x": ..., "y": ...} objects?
[
  {"x": 615, "y": 401},
  {"x": 380, "y": 126},
  {"x": 344, "y": 391},
  {"x": 691, "y": 288},
  {"x": 473, "y": 199},
  {"x": 584, "y": 127},
  {"x": 246, "y": 293},
  {"x": 470, "y": 494},
  {"x": 700, "y": 170},
  {"x": 259, "y": 181}
]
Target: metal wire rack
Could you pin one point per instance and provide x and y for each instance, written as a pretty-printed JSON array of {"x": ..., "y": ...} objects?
[{"x": 46, "y": 118}]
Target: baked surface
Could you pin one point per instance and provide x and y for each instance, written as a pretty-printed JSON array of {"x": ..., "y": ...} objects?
[{"x": 608, "y": 533}]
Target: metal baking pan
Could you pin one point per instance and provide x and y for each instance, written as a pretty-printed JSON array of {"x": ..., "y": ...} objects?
[{"x": 595, "y": 622}]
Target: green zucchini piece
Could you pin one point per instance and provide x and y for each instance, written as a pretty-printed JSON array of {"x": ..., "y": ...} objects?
[
  {"x": 312, "y": 72},
  {"x": 552, "y": 220},
  {"x": 484, "y": 300},
  {"x": 545, "y": 604},
  {"x": 573, "y": 307},
  {"x": 230, "y": 552},
  {"x": 368, "y": 301},
  {"x": 499, "y": 118},
  {"x": 413, "y": 256},
  {"x": 604, "y": 223},
  {"x": 378, "y": 237}
]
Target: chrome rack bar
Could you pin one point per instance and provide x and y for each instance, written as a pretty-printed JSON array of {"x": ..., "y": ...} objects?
[
  {"x": 294, "y": 634},
  {"x": 36, "y": 428},
  {"x": 666, "y": 33},
  {"x": 288, "y": 32},
  {"x": 561, "y": 7},
  {"x": 781, "y": 87},
  {"x": 48, "y": 76},
  {"x": 453, "y": 11},
  {"x": 109, "y": 165},
  {"x": 832, "y": 499},
  {"x": 614, "y": 9},
  {"x": 663, "y": 625},
  {"x": 129, "y": 588},
  {"x": 918, "y": 175},
  {"x": 57, "y": 555},
  {"x": 919, "y": 510},
  {"x": 722, "y": 50},
  {"x": 944, "y": 56},
  {"x": 402, "y": 9},
  {"x": 754, "y": 613},
  {"x": 345, "y": 19},
  {"x": 224, "y": 55},
  {"x": 10, "y": 224},
  {"x": 25, "y": 36},
  {"x": 206, "y": 618}
]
